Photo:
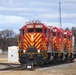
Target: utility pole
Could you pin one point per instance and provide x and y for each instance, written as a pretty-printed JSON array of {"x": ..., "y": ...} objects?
[{"x": 60, "y": 14}]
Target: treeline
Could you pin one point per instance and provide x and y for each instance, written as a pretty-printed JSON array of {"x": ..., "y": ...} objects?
[{"x": 7, "y": 38}]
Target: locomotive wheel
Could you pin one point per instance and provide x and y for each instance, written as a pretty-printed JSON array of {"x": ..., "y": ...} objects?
[
  {"x": 46, "y": 61},
  {"x": 71, "y": 58}
]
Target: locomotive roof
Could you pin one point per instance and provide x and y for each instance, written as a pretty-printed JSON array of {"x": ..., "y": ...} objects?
[
  {"x": 34, "y": 24},
  {"x": 39, "y": 23},
  {"x": 68, "y": 31},
  {"x": 61, "y": 30}
]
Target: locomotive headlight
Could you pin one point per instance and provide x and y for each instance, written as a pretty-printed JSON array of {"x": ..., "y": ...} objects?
[
  {"x": 38, "y": 51},
  {"x": 24, "y": 51}
]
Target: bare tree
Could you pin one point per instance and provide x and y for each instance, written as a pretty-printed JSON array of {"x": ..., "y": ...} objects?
[{"x": 7, "y": 38}]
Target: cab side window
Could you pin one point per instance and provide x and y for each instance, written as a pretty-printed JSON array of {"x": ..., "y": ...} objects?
[
  {"x": 58, "y": 34},
  {"x": 23, "y": 32},
  {"x": 45, "y": 32},
  {"x": 54, "y": 33},
  {"x": 68, "y": 37}
]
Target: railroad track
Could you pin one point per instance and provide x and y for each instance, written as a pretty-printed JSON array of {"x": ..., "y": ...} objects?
[
  {"x": 18, "y": 67},
  {"x": 9, "y": 66}
]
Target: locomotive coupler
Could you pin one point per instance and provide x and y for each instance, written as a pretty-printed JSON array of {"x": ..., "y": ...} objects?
[{"x": 29, "y": 66}]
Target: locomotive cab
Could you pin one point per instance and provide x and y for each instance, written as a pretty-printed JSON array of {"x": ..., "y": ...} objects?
[{"x": 34, "y": 43}]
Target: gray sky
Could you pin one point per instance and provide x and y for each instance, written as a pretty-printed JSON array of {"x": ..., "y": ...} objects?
[{"x": 14, "y": 13}]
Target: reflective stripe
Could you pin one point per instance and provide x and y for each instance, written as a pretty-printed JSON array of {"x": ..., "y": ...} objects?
[
  {"x": 38, "y": 41},
  {"x": 32, "y": 40}
]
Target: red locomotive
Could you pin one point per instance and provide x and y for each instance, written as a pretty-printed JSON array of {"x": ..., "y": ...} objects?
[
  {"x": 35, "y": 40},
  {"x": 39, "y": 44},
  {"x": 57, "y": 43},
  {"x": 68, "y": 44}
]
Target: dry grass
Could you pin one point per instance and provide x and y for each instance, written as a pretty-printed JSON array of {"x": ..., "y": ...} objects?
[{"x": 30, "y": 73}]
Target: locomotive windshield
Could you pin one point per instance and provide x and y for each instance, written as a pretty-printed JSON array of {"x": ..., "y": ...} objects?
[
  {"x": 54, "y": 33},
  {"x": 30, "y": 30},
  {"x": 64, "y": 36},
  {"x": 38, "y": 30}
]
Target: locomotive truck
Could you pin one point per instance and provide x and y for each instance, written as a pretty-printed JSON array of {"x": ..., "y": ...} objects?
[{"x": 39, "y": 44}]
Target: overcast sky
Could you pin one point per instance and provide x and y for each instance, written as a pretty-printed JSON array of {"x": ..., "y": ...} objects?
[{"x": 14, "y": 13}]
